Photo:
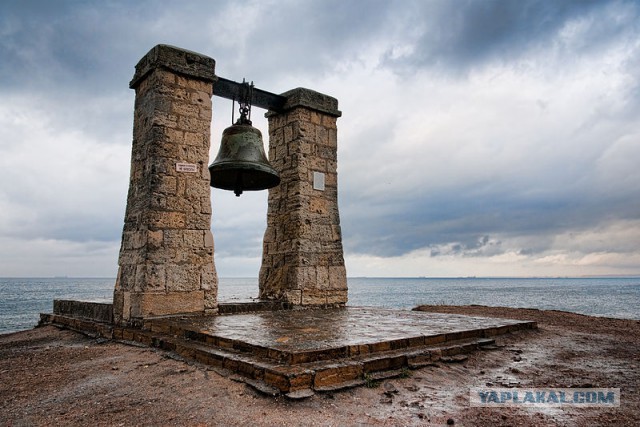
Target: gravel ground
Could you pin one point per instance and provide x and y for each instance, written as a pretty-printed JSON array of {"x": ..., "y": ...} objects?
[{"x": 57, "y": 377}]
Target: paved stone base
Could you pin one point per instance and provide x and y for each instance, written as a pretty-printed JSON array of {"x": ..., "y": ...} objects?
[{"x": 297, "y": 352}]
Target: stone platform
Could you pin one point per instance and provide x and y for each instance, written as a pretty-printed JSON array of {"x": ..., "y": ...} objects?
[{"x": 298, "y": 352}]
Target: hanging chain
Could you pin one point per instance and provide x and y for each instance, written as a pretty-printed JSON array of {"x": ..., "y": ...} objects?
[{"x": 246, "y": 94}]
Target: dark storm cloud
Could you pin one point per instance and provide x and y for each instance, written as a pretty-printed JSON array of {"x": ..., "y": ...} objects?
[
  {"x": 464, "y": 219},
  {"x": 457, "y": 36},
  {"x": 63, "y": 44}
]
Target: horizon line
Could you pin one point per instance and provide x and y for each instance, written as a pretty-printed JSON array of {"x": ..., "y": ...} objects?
[{"x": 590, "y": 276}]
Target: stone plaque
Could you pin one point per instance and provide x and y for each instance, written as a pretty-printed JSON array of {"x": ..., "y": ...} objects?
[{"x": 318, "y": 181}]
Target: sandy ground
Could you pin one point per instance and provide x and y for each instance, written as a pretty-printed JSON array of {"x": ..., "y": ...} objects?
[{"x": 55, "y": 377}]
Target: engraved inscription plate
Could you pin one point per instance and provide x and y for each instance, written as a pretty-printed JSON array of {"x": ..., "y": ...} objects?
[{"x": 186, "y": 167}]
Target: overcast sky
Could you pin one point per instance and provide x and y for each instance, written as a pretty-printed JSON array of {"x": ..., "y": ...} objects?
[{"x": 478, "y": 138}]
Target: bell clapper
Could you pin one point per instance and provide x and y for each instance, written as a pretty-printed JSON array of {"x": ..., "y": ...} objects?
[{"x": 238, "y": 189}]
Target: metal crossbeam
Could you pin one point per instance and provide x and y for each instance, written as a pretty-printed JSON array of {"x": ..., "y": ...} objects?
[{"x": 229, "y": 89}]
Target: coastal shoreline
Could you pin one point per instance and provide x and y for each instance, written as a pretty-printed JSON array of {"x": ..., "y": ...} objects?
[{"x": 52, "y": 376}]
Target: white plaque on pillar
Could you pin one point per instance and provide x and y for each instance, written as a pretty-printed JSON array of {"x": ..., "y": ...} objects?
[
  {"x": 186, "y": 167},
  {"x": 318, "y": 181}
]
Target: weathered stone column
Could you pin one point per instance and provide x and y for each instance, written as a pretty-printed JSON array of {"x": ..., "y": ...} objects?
[
  {"x": 166, "y": 257},
  {"x": 302, "y": 259}
]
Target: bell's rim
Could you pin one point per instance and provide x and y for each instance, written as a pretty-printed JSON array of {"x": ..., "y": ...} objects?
[{"x": 241, "y": 164}]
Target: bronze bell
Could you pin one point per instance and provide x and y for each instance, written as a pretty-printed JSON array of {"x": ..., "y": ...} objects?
[{"x": 241, "y": 164}]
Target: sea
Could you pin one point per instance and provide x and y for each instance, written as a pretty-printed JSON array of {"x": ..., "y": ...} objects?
[{"x": 22, "y": 299}]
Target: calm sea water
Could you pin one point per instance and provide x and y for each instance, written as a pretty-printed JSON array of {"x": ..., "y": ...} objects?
[{"x": 22, "y": 299}]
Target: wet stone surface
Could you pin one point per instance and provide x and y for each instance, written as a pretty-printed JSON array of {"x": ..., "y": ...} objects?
[{"x": 323, "y": 329}]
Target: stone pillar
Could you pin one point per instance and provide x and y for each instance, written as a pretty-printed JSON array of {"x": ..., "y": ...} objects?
[
  {"x": 166, "y": 257},
  {"x": 302, "y": 259}
]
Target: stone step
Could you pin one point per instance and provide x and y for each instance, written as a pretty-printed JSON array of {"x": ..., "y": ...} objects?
[
  {"x": 312, "y": 363},
  {"x": 303, "y": 379}
]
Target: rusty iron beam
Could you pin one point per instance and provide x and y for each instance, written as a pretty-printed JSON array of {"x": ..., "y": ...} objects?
[{"x": 229, "y": 89}]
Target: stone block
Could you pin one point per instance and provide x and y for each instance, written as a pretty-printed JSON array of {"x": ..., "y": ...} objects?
[
  {"x": 312, "y": 101},
  {"x": 194, "y": 85},
  {"x": 359, "y": 349},
  {"x": 164, "y": 119},
  {"x": 185, "y": 351},
  {"x": 173, "y": 136},
  {"x": 134, "y": 239},
  {"x": 121, "y": 306},
  {"x": 171, "y": 63},
  {"x": 183, "y": 277},
  {"x": 250, "y": 370},
  {"x": 211, "y": 299},
  {"x": 322, "y": 135},
  {"x": 192, "y": 124},
  {"x": 127, "y": 334},
  {"x": 293, "y": 296},
  {"x": 208, "y": 239},
  {"x": 300, "y": 381},
  {"x": 415, "y": 341},
  {"x": 313, "y": 297},
  {"x": 126, "y": 277},
  {"x": 305, "y": 277},
  {"x": 330, "y": 179},
  {"x": 337, "y": 277},
  {"x": 173, "y": 238},
  {"x": 380, "y": 346},
  {"x": 194, "y": 238},
  {"x": 322, "y": 277},
  {"x": 315, "y": 117},
  {"x": 166, "y": 220},
  {"x": 198, "y": 221},
  {"x": 208, "y": 278},
  {"x": 318, "y": 206},
  {"x": 201, "y": 98},
  {"x": 150, "y": 277},
  {"x": 277, "y": 380},
  {"x": 385, "y": 363},
  {"x": 332, "y": 136},
  {"x": 434, "y": 339},
  {"x": 155, "y": 239},
  {"x": 159, "y": 256},
  {"x": 420, "y": 360},
  {"x": 205, "y": 113},
  {"x": 336, "y": 233},
  {"x": 117, "y": 333},
  {"x": 337, "y": 374},
  {"x": 337, "y": 297},
  {"x": 184, "y": 109},
  {"x": 160, "y": 304}
]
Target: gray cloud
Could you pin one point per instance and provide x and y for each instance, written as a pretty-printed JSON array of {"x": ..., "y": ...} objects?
[
  {"x": 471, "y": 130},
  {"x": 465, "y": 217},
  {"x": 457, "y": 36}
]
